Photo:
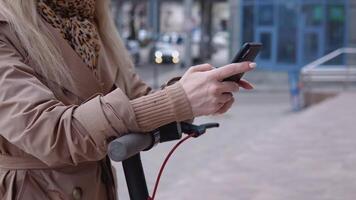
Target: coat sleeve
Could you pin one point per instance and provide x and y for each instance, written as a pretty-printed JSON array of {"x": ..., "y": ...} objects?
[
  {"x": 39, "y": 124},
  {"x": 154, "y": 109}
]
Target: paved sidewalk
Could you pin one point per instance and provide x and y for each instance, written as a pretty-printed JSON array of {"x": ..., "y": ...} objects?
[
  {"x": 308, "y": 156},
  {"x": 252, "y": 113},
  {"x": 263, "y": 152}
]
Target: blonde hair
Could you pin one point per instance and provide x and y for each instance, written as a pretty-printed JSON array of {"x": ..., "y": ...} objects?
[{"x": 38, "y": 41}]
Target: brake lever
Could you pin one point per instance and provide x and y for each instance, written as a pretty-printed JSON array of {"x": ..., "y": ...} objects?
[{"x": 197, "y": 130}]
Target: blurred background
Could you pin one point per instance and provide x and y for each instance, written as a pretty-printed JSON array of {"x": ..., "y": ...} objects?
[{"x": 293, "y": 137}]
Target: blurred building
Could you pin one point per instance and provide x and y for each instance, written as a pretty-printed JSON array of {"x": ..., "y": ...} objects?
[
  {"x": 296, "y": 32},
  {"x": 197, "y": 24}
]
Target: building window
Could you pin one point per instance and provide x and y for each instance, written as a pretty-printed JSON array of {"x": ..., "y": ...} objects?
[
  {"x": 265, "y": 15},
  {"x": 287, "y": 29},
  {"x": 266, "y": 40},
  {"x": 313, "y": 14},
  {"x": 248, "y": 23},
  {"x": 295, "y": 32},
  {"x": 311, "y": 47},
  {"x": 335, "y": 27}
]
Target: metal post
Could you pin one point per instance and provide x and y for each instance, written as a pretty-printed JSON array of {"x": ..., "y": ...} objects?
[
  {"x": 188, "y": 4},
  {"x": 153, "y": 13},
  {"x": 206, "y": 29},
  {"x": 234, "y": 27}
]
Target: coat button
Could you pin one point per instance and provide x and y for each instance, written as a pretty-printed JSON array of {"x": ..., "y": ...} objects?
[{"x": 77, "y": 193}]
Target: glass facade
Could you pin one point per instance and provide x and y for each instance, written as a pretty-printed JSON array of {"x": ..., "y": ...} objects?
[
  {"x": 286, "y": 47},
  {"x": 294, "y": 32}
]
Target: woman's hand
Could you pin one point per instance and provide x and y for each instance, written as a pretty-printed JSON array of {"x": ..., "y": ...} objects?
[{"x": 207, "y": 93}]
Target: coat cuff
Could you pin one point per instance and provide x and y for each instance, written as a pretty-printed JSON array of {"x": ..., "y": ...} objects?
[
  {"x": 92, "y": 118},
  {"x": 162, "y": 107},
  {"x": 119, "y": 112}
]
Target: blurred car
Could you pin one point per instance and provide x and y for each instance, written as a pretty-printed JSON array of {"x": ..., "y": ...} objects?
[
  {"x": 167, "y": 49},
  {"x": 133, "y": 47},
  {"x": 165, "y": 53},
  {"x": 174, "y": 41},
  {"x": 173, "y": 38}
]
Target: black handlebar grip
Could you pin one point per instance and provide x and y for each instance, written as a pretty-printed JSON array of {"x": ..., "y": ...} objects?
[{"x": 128, "y": 145}]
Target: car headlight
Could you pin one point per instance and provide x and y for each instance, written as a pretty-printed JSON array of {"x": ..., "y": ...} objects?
[
  {"x": 158, "y": 60},
  {"x": 175, "y": 54},
  {"x": 158, "y": 54},
  {"x": 175, "y": 60}
]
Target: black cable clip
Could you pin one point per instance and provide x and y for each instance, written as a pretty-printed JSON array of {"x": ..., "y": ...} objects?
[{"x": 197, "y": 130}]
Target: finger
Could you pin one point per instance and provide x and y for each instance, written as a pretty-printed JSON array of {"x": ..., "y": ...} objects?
[
  {"x": 226, "y": 107},
  {"x": 201, "y": 68},
  {"x": 228, "y": 86},
  {"x": 228, "y": 70},
  {"x": 225, "y": 97},
  {"x": 246, "y": 85}
]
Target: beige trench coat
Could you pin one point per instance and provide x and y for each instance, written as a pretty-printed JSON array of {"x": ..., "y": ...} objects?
[{"x": 49, "y": 146}]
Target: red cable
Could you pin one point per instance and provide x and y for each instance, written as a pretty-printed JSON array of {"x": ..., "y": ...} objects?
[{"x": 164, "y": 165}]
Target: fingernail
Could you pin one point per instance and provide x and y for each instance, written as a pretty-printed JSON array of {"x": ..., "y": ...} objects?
[{"x": 252, "y": 65}]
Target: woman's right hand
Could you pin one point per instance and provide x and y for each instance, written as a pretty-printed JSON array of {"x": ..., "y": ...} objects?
[{"x": 205, "y": 90}]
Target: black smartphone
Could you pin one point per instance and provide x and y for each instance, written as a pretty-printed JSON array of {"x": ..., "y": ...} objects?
[{"x": 248, "y": 52}]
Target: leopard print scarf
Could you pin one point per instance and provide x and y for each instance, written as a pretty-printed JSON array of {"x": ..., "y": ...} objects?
[{"x": 75, "y": 21}]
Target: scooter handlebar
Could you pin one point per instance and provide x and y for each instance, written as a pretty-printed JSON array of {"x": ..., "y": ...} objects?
[{"x": 128, "y": 145}]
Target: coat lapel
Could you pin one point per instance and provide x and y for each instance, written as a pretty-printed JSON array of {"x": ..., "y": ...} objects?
[
  {"x": 107, "y": 68},
  {"x": 85, "y": 83}
]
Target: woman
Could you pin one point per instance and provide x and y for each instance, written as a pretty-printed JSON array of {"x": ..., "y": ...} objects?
[{"x": 67, "y": 87}]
